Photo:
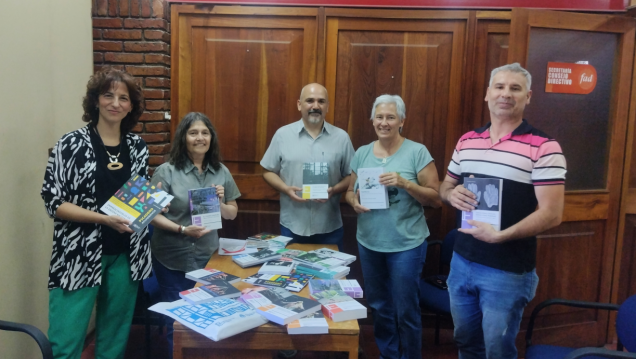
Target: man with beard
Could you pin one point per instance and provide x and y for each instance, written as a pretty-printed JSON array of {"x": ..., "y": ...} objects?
[{"x": 309, "y": 140}]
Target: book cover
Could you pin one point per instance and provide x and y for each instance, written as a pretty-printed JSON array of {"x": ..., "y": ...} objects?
[
  {"x": 327, "y": 273},
  {"x": 488, "y": 192},
  {"x": 216, "y": 320},
  {"x": 277, "y": 267},
  {"x": 218, "y": 289},
  {"x": 319, "y": 261},
  {"x": 345, "y": 310},
  {"x": 349, "y": 287},
  {"x": 294, "y": 282},
  {"x": 347, "y": 258},
  {"x": 330, "y": 296},
  {"x": 373, "y": 195},
  {"x": 315, "y": 180},
  {"x": 137, "y": 201},
  {"x": 205, "y": 207},
  {"x": 207, "y": 275},
  {"x": 314, "y": 323},
  {"x": 279, "y": 305},
  {"x": 290, "y": 253},
  {"x": 255, "y": 258}
]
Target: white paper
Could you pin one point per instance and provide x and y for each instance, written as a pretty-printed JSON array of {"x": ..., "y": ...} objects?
[
  {"x": 373, "y": 195},
  {"x": 232, "y": 247}
]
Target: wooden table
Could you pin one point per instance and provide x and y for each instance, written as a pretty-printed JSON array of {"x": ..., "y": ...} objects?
[{"x": 261, "y": 341}]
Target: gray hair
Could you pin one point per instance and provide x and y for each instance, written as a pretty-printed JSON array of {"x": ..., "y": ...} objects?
[
  {"x": 516, "y": 68},
  {"x": 394, "y": 99}
]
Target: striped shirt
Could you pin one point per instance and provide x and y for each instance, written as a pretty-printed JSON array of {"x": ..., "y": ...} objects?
[{"x": 524, "y": 159}]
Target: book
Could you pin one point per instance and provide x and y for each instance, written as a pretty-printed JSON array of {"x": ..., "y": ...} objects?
[
  {"x": 279, "y": 305},
  {"x": 218, "y": 289},
  {"x": 349, "y": 287},
  {"x": 329, "y": 296},
  {"x": 277, "y": 267},
  {"x": 205, "y": 207},
  {"x": 344, "y": 310},
  {"x": 268, "y": 240},
  {"x": 248, "y": 260},
  {"x": 207, "y": 275},
  {"x": 294, "y": 282},
  {"x": 232, "y": 247},
  {"x": 290, "y": 253},
  {"x": 488, "y": 192},
  {"x": 137, "y": 201},
  {"x": 314, "y": 323},
  {"x": 216, "y": 320},
  {"x": 373, "y": 195},
  {"x": 327, "y": 273},
  {"x": 318, "y": 261},
  {"x": 346, "y": 258},
  {"x": 315, "y": 180}
]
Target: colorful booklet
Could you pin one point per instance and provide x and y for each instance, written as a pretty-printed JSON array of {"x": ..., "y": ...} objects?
[
  {"x": 314, "y": 323},
  {"x": 207, "y": 275},
  {"x": 315, "y": 180},
  {"x": 294, "y": 282},
  {"x": 205, "y": 207},
  {"x": 373, "y": 195},
  {"x": 278, "y": 305},
  {"x": 349, "y": 287},
  {"x": 217, "y": 289},
  {"x": 216, "y": 320},
  {"x": 488, "y": 192},
  {"x": 137, "y": 201}
]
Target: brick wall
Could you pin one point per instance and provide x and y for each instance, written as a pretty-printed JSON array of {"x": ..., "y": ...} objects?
[{"x": 135, "y": 35}]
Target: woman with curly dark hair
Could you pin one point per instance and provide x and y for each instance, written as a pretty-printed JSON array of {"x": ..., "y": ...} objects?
[
  {"x": 178, "y": 246},
  {"x": 96, "y": 258}
]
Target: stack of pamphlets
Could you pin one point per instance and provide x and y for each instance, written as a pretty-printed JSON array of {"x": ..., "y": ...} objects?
[
  {"x": 294, "y": 282},
  {"x": 338, "y": 306},
  {"x": 330, "y": 273},
  {"x": 216, "y": 320},
  {"x": 290, "y": 253},
  {"x": 248, "y": 260},
  {"x": 315, "y": 180},
  {"x": 138, "y": 202},
  {"x": 314, "y": 323},
  {"x": 205, "y": 207},
  {"x": 489, "y": 193},
  {"x": 232, "y": 247},
  {"x": 373, "y": 195},
  {"x": 277, "y": 267},
  {"x": 346, "y": 258},
  {"x": 318, "y": 261},
  {"x": 218, "y": 289},
  {"x": 207, "y": 275},
  {"x": 279, "y": 305},
  {"x": 350, "y": 287}
]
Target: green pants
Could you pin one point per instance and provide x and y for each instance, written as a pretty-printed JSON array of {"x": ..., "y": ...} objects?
[{"x": 70, "y": 312}]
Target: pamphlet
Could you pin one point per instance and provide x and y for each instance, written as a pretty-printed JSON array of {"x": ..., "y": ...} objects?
[
  {"x": 315, "y": 180},
  {"x": 137, "y": 201},
  {"x": 373, "y": 195},
  {"x": 488, "y": 192},
  {"x": 205, "y": 207}
]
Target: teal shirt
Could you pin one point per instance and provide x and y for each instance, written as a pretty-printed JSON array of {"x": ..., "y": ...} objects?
[{"x": 402, "y": 226}]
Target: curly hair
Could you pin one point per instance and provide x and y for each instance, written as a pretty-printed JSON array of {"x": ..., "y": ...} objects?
[
  {"x": 100, "y": 83},
  {"x": 179, "y": 151}
]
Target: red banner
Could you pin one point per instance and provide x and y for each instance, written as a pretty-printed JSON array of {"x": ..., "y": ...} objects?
[{"x": 565, "y": 77}]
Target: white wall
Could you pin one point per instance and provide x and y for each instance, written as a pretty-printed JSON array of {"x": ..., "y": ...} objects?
[{"x": 45, "y": 62}]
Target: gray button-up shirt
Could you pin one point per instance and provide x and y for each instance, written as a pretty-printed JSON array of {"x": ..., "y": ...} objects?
[
  {"x": 292, "y": 146},
  {"x": 177, "y": 251}
]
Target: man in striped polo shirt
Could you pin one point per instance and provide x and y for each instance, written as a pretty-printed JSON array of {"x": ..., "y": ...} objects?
[{"x": 493, "y": 274}]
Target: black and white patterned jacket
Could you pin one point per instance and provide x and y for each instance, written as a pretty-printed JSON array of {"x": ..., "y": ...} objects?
[{"x": 77, "y": 247}]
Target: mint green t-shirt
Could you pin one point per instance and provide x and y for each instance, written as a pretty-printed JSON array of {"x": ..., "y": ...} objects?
[{"x": 402, "y": 226}]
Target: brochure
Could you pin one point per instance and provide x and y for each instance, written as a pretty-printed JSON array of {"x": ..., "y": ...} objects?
[
  {"x": 137, "y": 201},
  {"x": 205, "y": 207},
  {"x": 488, "y": 192},
  {"x": 315, "y": 180},
  {"x": 373, "y": 195}
]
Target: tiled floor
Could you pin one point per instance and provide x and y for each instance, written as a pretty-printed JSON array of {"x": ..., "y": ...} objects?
[{"x": 136, "y": 343}]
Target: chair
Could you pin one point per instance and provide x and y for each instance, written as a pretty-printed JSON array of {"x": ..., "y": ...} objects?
[
  {"x": 433, "y": 298},
  {"x": 625, "y": 329},
  {"x": 148, "y": 294},
  {"x": 35, "y": 333}
]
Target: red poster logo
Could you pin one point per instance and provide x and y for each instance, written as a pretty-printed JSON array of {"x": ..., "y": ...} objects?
[{"x": 570, "y": 78}]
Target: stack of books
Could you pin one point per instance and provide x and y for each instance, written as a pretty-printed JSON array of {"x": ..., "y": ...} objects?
[
  {"x": 346, "y": 258},
  {"x": 268, "y": 240},
  {"x": 314, "y": 323},
  {"x": 208, "y": 275},
  {"x": 218, "y": 289},
  {"x": 317, "y": 261},
  {"x": 294, "y": 282},
  {"x": 277, "y": 267},
  {"x": 279, "y": 305},
  {"x": 349, "y": 287},
  {"x": 290, "y": 253},
  {"x": 330, "y": 273},
  {"x": 338, "y": 306},
  {"x": 248, "y": 260}
]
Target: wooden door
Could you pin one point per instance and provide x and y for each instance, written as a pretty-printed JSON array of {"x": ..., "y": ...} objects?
[
  {"x": 418, "y": 55},
  {"x": 244, "y": 68},
  {"x": 576, "y": 259}
]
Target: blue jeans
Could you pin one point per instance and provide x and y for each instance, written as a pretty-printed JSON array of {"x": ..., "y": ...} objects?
[
  {"x": 334, "y": 237},
  {"x": 487, "y": 305},
  {"x": 171, "y": 282},
  {"x": 391, "y": 282}
]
